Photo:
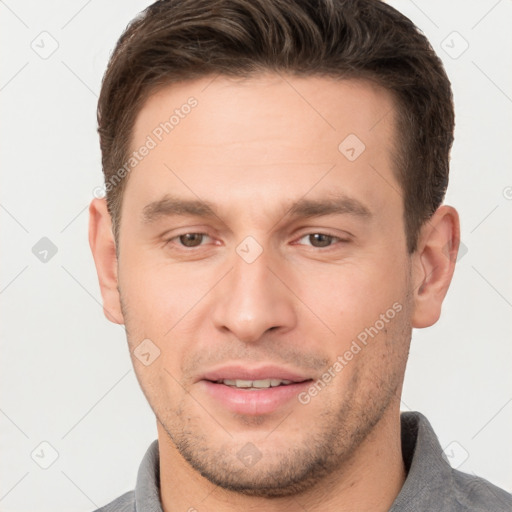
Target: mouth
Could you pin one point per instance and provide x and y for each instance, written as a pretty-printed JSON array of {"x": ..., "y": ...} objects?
[
  {"x": 253, "y": 391},
  {"x": 253, "y": 385}
]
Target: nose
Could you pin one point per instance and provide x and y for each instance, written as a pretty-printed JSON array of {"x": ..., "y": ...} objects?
[{"x": 253, "y": 300}]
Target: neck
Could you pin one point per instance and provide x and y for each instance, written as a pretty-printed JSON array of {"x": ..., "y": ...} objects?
[{"x": 369, "y": 480}]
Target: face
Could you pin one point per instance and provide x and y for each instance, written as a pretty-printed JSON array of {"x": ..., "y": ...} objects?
[{"x": 262, "y": 244}]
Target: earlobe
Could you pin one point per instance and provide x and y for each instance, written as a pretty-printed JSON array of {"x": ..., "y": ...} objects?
[
  {"x": 434, "y": 264},
  {"x": 103, "y": 250}
]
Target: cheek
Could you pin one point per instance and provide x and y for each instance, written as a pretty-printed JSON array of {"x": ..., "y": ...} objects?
[
  {"x": 157, "y": 295},
  {"x": 160, "y": 384},
  {"x": 165, "y": 303},
  {"x": 350, "y": 297}
]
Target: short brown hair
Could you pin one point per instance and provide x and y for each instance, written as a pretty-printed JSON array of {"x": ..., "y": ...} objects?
[{"x": 176, "y": 40}]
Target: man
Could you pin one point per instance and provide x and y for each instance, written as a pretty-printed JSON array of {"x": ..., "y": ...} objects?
[{"x": 273, "y": 230}]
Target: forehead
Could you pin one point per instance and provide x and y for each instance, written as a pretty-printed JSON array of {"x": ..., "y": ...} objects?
[
  {"x": 267, "y": 134},
  {"x": 265, "y": 103}
]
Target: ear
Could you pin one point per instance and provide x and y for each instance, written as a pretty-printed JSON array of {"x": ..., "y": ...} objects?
[
  {"x": 103, "y": 250},
  {"x": 434, "y": 263}
]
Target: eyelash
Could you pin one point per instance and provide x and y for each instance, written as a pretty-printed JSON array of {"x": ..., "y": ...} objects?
[{"x": 332, "y": 237}]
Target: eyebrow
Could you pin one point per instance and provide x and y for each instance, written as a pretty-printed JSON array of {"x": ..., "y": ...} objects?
[
  {"x": 336, "y": 205},
  {"x": 303, "y": 208},
  {"x": 169, "y": 206}
]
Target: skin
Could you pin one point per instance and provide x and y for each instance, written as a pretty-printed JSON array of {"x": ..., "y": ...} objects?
[{"x": 253, "y": 147}]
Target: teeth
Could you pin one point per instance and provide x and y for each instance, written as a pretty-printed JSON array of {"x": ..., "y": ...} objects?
[
  {"x": 258, "y": 384},
  {"x": 243, "y": 383}
]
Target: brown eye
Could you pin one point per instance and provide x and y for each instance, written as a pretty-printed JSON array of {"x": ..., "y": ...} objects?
[
  {"x": 320, "y": 240},
  {"x": 191, "y": 239}
]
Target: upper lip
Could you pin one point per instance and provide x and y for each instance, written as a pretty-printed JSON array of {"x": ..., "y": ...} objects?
[{"x": 244, "y": 372}]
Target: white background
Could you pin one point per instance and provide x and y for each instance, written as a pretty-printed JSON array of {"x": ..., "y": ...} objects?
[{"x": 66, "y": 376}]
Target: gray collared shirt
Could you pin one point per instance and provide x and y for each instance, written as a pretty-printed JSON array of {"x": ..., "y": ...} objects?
[{"x": 431, "y": 483}]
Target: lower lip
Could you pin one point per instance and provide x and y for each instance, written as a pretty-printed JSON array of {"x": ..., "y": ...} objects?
[{"x": 251, "y": 401}]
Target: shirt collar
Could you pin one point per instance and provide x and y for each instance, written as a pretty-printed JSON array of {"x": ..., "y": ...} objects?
[
  {"x": 428, "y": 473},
  {"x": 147, "y": 488}
]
